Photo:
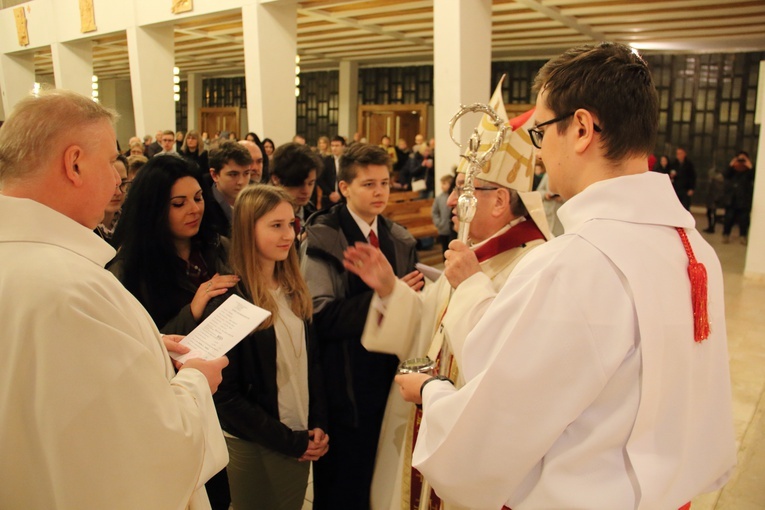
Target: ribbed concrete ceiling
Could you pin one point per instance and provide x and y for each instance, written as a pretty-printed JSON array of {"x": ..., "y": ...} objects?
[{"x": 384, "y": 32}]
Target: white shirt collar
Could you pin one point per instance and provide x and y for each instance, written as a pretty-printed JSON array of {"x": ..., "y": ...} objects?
[{"x": 365, "y": 228}]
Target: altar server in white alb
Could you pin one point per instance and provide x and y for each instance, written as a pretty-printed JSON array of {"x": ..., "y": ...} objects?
[
  {"x": 92, "y": 413},
  {"x": 598, "y": 376},
  {"x": 509, "y": 222}
]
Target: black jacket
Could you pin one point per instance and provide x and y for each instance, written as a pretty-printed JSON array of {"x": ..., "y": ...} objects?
[
  {"x": 326, "y": 182},
  {"x": 214, "y": 214},
  {"x": 201, "y": 161},
  {"x": 171, "y": 308},
  {"x": 357, "y": 381},
  {"x": 247, "y": 398},
  {"x": 739, "y": 188}
]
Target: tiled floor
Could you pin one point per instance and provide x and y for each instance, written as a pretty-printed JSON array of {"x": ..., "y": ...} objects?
[{"x": 745, "y": 313}]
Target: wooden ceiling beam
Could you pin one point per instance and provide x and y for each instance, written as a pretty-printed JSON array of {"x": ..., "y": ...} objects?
[
  {"x": 569, "y": 21},
  {"x": 208, "y": 35},
  {"x": 374, "y": 29}
]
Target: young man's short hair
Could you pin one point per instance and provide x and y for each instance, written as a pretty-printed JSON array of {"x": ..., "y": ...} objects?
[
  {"x": 123, "y": 159},
  {"x": 293, "y": 162},
  {"x": 168, "y": 132},
  {"x": 360, "y": 155},
  {"x": 229, "y": 151},
  {"x": 447, "y": 178},
  {"x": 337, "y": 138},
  {"x": 612, "y": 83}
]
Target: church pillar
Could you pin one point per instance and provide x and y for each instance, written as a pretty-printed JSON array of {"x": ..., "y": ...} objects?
[
  {"x": 461, "y": 72},
  {"x": 270, "y": 47},
  {"x": 151, "y": 55}
]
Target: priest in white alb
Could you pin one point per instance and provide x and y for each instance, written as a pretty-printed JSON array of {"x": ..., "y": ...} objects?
[{"x": 92, "y": 411}]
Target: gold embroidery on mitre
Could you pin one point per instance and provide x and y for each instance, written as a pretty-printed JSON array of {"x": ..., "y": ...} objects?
[{"x": 514, "y": 172}]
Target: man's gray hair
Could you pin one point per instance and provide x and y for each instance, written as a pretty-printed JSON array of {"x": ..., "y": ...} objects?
[
  {"x": 517, "y": 206},
  {"x": 29, "y": 137}
]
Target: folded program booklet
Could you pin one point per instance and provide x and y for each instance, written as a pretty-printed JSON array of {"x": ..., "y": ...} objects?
[
  {"x": 222, "y": 330},
  {"x": 431, "y": 273}
]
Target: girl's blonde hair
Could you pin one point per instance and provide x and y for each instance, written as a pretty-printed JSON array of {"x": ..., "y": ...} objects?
[
  {"x": 326, "y": 151},
  {"x": 253, "y": 203}
]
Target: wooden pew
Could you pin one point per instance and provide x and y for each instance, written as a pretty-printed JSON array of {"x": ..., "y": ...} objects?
[
  {"x": 403, "y": 196},
  {"x": 414, "y": 215}
]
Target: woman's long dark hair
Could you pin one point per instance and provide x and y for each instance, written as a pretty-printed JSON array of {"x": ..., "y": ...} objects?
[{"x": 150, "y": 266}]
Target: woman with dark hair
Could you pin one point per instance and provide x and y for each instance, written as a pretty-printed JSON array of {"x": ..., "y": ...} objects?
[
  {"x": 169, "y": 259},
  {"x": 269, "y": 147},
  {"x": 193, "y": 150}
]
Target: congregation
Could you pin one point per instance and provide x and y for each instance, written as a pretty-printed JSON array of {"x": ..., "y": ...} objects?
[{"x": 541, "y": 392}]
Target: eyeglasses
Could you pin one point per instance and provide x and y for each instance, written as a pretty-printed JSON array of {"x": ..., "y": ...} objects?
[
  {"x": 124, "y": 186},
  {"x": 459, "y": 189},
  {"x": 537, "y": 135}
]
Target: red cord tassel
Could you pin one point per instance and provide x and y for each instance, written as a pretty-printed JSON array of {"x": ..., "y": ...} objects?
[{"x": 697, "y": 273}]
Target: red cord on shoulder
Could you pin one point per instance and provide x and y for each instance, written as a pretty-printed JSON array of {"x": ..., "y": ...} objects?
[{"x": 697, "y": 273}]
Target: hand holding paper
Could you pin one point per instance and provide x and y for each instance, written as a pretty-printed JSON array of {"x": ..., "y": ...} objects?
[
  {"x": 431, "y": 273},
  {"x": 223, "y": 329}
]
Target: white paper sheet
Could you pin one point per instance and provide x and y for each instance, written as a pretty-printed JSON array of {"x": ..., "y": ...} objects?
[
  {"x": 223, "y": 329},
  {"x": 431, "y": 273}
]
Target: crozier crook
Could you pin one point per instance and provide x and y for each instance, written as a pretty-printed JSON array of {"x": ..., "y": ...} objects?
[{"x": 466, "y": 204}]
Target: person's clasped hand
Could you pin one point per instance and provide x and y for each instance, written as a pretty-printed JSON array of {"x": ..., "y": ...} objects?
[{"x": 318, "y": 445}]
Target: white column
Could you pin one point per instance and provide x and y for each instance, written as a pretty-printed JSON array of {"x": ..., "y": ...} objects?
[
  {"x": 270, "y": 46},
  {"x": 17, "y": 77},
  {"x": 348, "y": 92},
  {"x": 461, "y": 71},
  {"x": 755, "y": 250},
  {"x": 73, "y": 65},
  {"x": 117, "y": 95},
  {"x": 151, "y": 54},
  {"x": 107, "y": 94},
  {"x": 124, "y": 106},
  {"x": 194, "y": 99}
]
